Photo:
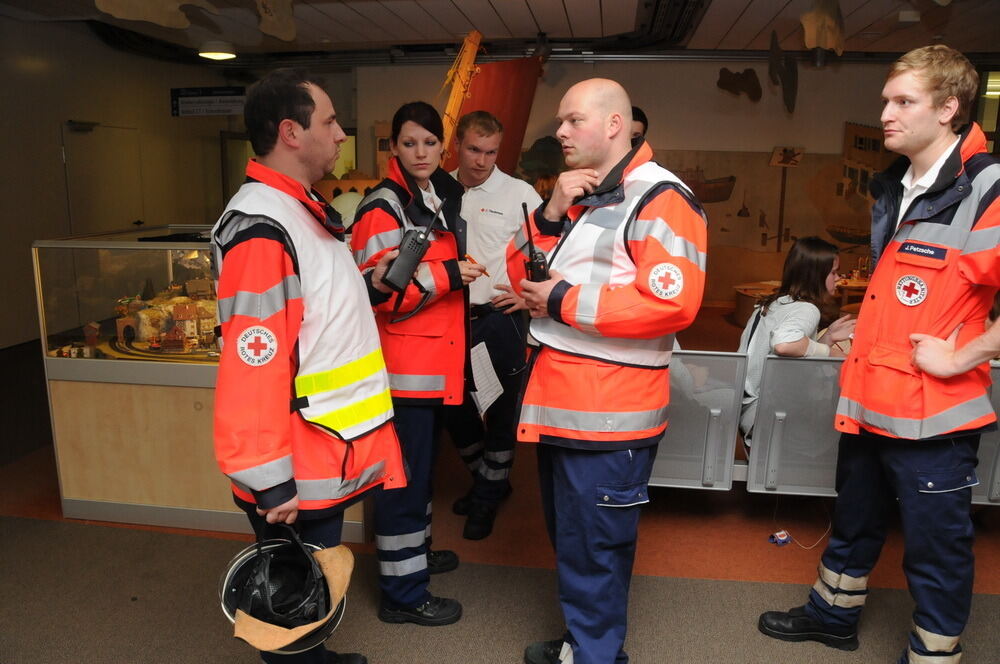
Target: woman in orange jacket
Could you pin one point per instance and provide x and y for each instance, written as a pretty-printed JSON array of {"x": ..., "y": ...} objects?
[{"x": 423, "y": 329}]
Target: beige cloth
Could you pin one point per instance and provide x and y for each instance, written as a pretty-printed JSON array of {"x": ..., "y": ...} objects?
[{"x": 337, "y": 564}]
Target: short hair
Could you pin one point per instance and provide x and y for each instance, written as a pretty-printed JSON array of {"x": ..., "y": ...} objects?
[
  {"x": 483, "y": 122},
  {"x": 422, "y": 114},
  {"x": 946, "y": 73},
  {"x": 281, "y": 94},
  {"x": 639, "y": 116}
]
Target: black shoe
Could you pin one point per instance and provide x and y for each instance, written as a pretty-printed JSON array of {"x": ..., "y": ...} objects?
[
  {"x": 441, "y": 561},
  {"x": 479, "y": 523},
  {"x": 462, "y": 506},
  {"x": 795, "y": 625},
  {"x": 543, "y": 652},
  {"x": 434, "y": 612},
  {"x": 345, "y": 658}
]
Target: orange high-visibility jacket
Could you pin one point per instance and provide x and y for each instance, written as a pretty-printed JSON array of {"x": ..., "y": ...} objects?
[
  {"x": 302, "y": 405},
  {"x": 632, "y": 257},
  {"x": 940, "y": 269},
  {"x": 426, "y": 352}
]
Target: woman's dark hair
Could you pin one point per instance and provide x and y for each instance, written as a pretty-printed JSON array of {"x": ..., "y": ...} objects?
[
  {"x": 804, "y": 276},
  {"x": 281, "y": 94},
  {"x": 421, "y": 113}
]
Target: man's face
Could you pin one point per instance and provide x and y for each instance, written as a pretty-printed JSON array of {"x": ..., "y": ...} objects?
[
  {"x": 910, "y": 120},
  {"x": 637, "y": 129},
  {"x": 583, "y": 131},
  {"x": 320, "y": 144},
  {"x": 477, "y": 154}
]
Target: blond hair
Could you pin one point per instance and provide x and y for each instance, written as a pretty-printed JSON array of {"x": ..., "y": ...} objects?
[
  {"x": 483, "y": 122},
  {"x": 946, "y": 73}
]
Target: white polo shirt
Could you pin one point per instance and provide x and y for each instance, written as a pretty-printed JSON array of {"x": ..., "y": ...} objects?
[
  {"x": 913, "y": 189},
  {"x": 493, "y": 213}
]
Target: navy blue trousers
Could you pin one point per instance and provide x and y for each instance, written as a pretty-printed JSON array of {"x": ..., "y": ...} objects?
[
  {"x": 591, "y": 502},
  {"x": 929, "y": 483},
  {"x": 325, "y": 532},
  {"x": 487, "y": 448},
  {"x": 403, "y": 516}
]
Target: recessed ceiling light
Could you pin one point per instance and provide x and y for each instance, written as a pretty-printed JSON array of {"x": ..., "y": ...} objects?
[{"x": 217, "y": 50}]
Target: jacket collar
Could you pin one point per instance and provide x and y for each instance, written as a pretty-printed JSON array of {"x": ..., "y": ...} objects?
[
  {"x": 971, "y": 142},
  {"x": 446, "y": 187},
  {"x": 311, "y": 200},
  {"x": 611, "y": 190}
]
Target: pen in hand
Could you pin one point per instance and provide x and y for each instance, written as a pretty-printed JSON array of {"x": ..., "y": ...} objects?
[{"x": 475, "y": 262}]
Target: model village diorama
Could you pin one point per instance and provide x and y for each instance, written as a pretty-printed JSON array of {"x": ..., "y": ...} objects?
[{"x": 179, "y": 322}]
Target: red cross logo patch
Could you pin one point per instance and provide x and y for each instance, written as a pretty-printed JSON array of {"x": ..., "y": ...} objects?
[
  {"x": 911, "y": 290},
  {"x": 666, "y": 281},
  {"x": 256, "y": 345}
]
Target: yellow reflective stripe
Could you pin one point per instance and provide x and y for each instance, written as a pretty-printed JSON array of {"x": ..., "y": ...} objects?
[
  {"x": 342, "y": 376},
  {"x": 838, "y": 599},
  {"x": 356, "y": 413},
  {"x": 915, "y": 658}
]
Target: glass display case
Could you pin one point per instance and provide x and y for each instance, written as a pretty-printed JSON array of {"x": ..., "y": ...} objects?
[{"x": 145, "y": 295}]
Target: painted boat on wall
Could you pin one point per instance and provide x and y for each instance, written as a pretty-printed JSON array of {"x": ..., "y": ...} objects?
[{"x": 714, "y": 190}]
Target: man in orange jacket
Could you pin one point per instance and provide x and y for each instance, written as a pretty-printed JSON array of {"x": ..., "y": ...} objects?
[
  {"x": 626, "y": 242},
  {"x": 303, "y": 417},
  {"x": 910, "y": 432}
]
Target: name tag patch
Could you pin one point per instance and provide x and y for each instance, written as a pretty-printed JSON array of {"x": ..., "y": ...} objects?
[
  {"x": 256, "y": 345},
  {"x": 666, "y": 281},
  {"x": 911, "y": 290},
  {"x": 923, "y": 250}
]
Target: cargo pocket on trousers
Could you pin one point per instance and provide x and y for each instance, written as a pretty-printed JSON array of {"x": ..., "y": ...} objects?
[
  {"x": 617, "y": 495},
  {"x": 943, "y": 481}
]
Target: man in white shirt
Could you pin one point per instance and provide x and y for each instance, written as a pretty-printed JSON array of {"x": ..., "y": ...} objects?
[{"x": 492, "y": 207}]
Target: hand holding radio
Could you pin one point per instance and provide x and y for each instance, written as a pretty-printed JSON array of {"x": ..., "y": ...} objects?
[
  {"x": 380, "y": 269},
  {"x": 536, "y": 294},
  {"x": 535, "y": 267}
]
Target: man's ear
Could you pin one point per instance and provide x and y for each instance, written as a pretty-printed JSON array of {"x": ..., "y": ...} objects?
[
  {"x": 948, "y": 110},
  {"x": 289, "y": 132},
  {"x": 616, "y": 124}
]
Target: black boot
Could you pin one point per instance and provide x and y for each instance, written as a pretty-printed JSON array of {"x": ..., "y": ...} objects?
[{"x": 796, "y": 625}]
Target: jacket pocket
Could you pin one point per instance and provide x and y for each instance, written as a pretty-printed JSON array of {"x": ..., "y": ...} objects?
[{"x": 432, "y": 321}]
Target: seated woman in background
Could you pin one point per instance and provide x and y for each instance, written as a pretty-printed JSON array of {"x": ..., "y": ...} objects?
[{"x": 785, "y": 322}]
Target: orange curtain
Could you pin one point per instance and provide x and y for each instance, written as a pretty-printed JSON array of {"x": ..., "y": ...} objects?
[{"x": 505, "y": 89}]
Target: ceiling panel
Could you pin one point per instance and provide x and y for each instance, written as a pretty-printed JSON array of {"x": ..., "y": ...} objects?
[
  {"x": 718, "y": 19},
  {"x": 366, "y": 30},
  {"x": 517, "y": 16},
  {"x": 551, "y": 18},
  {"x": 415, "y": 15},
  {"x": 484, "y": 18},
  {"x": 619, "y": 16},
  {"x": 448, "y": 15},
  {"x": 753, "y": 21},
  {"x": 316, "y": 25},
  {"x": 375, "y": 12},
  {"x": 584, "y": 18}
]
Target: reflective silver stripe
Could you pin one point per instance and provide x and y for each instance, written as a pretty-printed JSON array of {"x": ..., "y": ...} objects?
[
  {"x": 430, "y": 508},
  {"x": 427, "y": 531},
  {"x": 986, "y": 239},
  {"x": 425, "y": 278},
  {"x": 416, "y": 383},
  {"x": 842, "y": 581},
  {"x": 494, "y": 474},
  {"x": 242, "y": 221},
  {"x": 586, "y": 307},
  {"x": 470, "y": 450},
  {"x": 521, "y": 241},
  {"x": 604, "y": 249},
  {"x": 337, "y": 487},
  {"x": 377, "y": 243},
  {"x": 577, "y": 420},
  {"x": 266, "y": 475},
  {"x": 935, "y": 642},
  {"x": 500, "y": 457},
  {"x": 916, "y": 658},
  {"x": 261, "y": 305},
  {"x": 397, "y": 542},
  {"x": 951, "y": 419},
  {"x": 675, "y": 245},
  {"x": 838, "y": 599},
  {"x": 941, "y": 234},
  {"x": 403, "y": 567}
]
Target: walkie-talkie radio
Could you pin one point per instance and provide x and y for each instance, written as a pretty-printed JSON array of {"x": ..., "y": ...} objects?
[
  {"x": 535, "y": 266},
  {"x": 412, "y": 248}
]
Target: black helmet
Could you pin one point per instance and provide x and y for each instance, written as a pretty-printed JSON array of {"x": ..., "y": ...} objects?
[{"x": 284, "y": 595}]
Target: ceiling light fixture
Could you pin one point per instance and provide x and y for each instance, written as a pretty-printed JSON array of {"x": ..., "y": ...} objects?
[{"x": 217, "y": 50}]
